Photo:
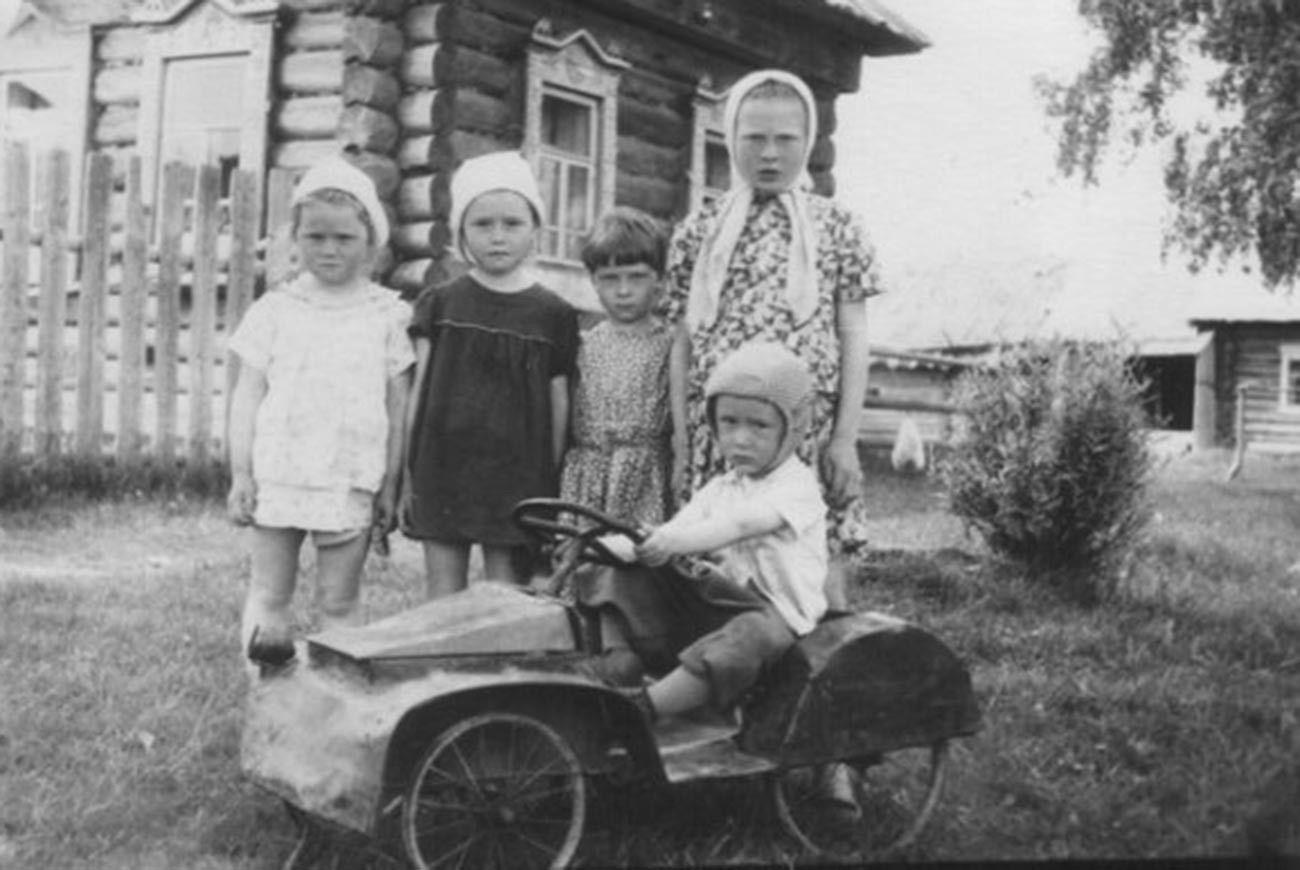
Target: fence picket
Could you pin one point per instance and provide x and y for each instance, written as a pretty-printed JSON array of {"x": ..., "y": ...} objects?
[
  {"x": 13, "y": 295},
  {"x": 178, "y": 185},
  {"x": 241, "y": 274},
  {"x": 132, "y": 295},
  {"x": 90, "y": 308},
  {"x": 53, "y": 306},
  {"x": 107, "y": 324},
  {"x": 203, "y": 312}
]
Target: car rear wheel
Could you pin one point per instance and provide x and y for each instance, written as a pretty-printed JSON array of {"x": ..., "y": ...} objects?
[
  {"x": 895, "y": 793},
  {"x": 498, "y": 790}
]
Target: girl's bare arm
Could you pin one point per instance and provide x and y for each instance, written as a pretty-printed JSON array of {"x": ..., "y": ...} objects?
[
  {"x": 250, "y": 390},
  {"x": 679, "y": 363},
  {"x": 559, "y": 417},
  {"x": 841, "y": 465}
]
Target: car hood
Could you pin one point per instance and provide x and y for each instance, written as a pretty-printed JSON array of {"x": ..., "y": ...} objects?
[{"x": 486, "y": 619}]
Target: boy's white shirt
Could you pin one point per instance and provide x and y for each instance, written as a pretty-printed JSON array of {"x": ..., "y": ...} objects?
[{"x": 788, "y": 566}]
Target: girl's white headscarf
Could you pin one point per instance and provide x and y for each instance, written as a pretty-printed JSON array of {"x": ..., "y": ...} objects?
[
  {"x": 500, "y": 170},
  {"x": 710, "y": 271},
  {"x": 336, "y": 173}
]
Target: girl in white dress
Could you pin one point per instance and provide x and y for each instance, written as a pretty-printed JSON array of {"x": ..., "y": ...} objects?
[{"x": 315, "y": 428}]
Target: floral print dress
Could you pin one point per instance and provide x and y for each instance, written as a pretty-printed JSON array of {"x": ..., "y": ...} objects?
[
  {"x": 619, "y": 461},
  {"x": 752, "y": 306}
]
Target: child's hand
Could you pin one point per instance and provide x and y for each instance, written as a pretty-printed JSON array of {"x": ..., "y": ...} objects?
[
  {"x": 385, "y": 517},
  {"x": 621, "y": 546},
  {"x": 658, "y": 547},
  {"x": 242, "y": 499},
  {"x": 841, "y": 472}
]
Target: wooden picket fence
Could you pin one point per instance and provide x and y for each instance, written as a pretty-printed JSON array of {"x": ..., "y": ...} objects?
[{"x": 112, "y": 330}]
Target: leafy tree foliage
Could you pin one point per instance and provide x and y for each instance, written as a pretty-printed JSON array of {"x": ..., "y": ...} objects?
[{"x": 1233, "y": 184}]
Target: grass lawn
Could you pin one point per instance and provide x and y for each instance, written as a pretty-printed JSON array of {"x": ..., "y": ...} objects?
[{"x": 1138, "y": 729}]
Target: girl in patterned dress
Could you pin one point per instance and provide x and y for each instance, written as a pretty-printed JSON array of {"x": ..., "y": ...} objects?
[
  {"x": 315, "y": 430},
  {"x": 495, "y": 351},
  {"x": 620, "y": 459},
  {"x": 771, "y": 261}
]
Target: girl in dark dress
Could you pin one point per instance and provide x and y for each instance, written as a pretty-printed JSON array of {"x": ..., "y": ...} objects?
[{"x": 495, "y": 351}]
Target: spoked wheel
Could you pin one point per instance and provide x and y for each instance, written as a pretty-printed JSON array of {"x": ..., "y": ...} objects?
[
  {"x": 896, "y": 794},
  {"x": 495, "y": 791}
]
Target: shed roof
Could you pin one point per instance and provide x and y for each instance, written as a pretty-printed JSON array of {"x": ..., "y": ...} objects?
[
  {"x": 967, "y": 304},
  {"x": 1253, "y": 304}
]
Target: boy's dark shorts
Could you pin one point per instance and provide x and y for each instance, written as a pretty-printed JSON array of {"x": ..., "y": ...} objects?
[
  {"x": 723, "y": 633},
  {"x": 732, "y": 658}
]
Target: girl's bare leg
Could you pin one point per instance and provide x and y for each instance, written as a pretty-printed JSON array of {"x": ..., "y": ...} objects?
[
  {"x": 270, "y": 588},
  {"x": 502, "y": 563},
  {"x": 446, "y": 568},
  {"x": 338, "y": 567}
]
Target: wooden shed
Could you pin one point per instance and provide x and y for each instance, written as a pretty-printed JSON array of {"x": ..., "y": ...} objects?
[
  {"x": 1252, "y": 367},
  {"x": 617, "y": 101}
]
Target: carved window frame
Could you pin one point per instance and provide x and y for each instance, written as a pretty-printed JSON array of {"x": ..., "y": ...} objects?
[
  {"x": 1288, "y": 388},
  {"x": 576, "y": 69},
  {"x": 35, "y": 44},
  {"x": 208, "y": 30},
  {"x": 707, "y": 129}
]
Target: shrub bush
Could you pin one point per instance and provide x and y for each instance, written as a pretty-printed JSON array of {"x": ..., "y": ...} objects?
[{"x": 1050, "y": 463}]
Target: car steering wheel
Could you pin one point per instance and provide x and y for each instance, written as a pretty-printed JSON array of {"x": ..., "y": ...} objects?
[{"x": 539, "y": 517}]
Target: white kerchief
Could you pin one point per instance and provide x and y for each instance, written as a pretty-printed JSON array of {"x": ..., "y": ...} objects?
[
  {"x": 336, "y": 173},
  {"x": 721, "y": 236},
  {"x": 500, "y": 170}
]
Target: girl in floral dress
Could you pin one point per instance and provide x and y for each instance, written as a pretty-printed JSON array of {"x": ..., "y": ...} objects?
[
  {"x": 619, "y": 460},
  {"x": 771, "y": 261}
]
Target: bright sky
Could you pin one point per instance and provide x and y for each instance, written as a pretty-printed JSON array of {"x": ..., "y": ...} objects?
[{"x": 949, "y": 151}]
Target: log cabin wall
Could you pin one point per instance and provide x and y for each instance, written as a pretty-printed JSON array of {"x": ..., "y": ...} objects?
[
  {"x": 464, "y": 90},
  {"x": 416, "y": 87},
  {"x": 1250, "y": 355}
]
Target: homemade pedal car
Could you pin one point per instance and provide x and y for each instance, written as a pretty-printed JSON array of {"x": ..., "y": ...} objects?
[{"x": 467, "y": 731}]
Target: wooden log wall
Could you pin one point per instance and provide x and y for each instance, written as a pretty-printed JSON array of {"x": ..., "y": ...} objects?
[
  {"x": 1253, "y": 359},
  {"x": 462, "y": 97},
  {"x": 116, "y": 86}
]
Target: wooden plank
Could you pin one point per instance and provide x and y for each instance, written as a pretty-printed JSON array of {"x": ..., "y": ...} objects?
[
  {"x": 133, "y": 293},
  {"x": 279, "y": 247},
  {"x": 242, "y": 270},
  {"x": 314, "y": 30},
  {"x": 306, "y": 72},
  {"x": 53, "y": 305},
  {"x": 90, "y": 306},
  {"x": 178, "y": 186},
  {"x": 313, "y": 117},
  {"x": 372, "y": 41},
  {"x": 422, "y": 23},
  {"x": 13, "y": 294},
  {"x": 203, "y": 313}
]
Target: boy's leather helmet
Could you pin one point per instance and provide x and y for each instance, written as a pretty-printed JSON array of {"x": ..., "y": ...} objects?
[{"x": 769, "y": 372}]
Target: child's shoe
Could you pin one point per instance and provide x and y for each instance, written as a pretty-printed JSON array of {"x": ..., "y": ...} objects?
[
  {"x": 618, "y": 666},
  {"x": 270, "y": 648},
  {"x": 835, "y": 792}
]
